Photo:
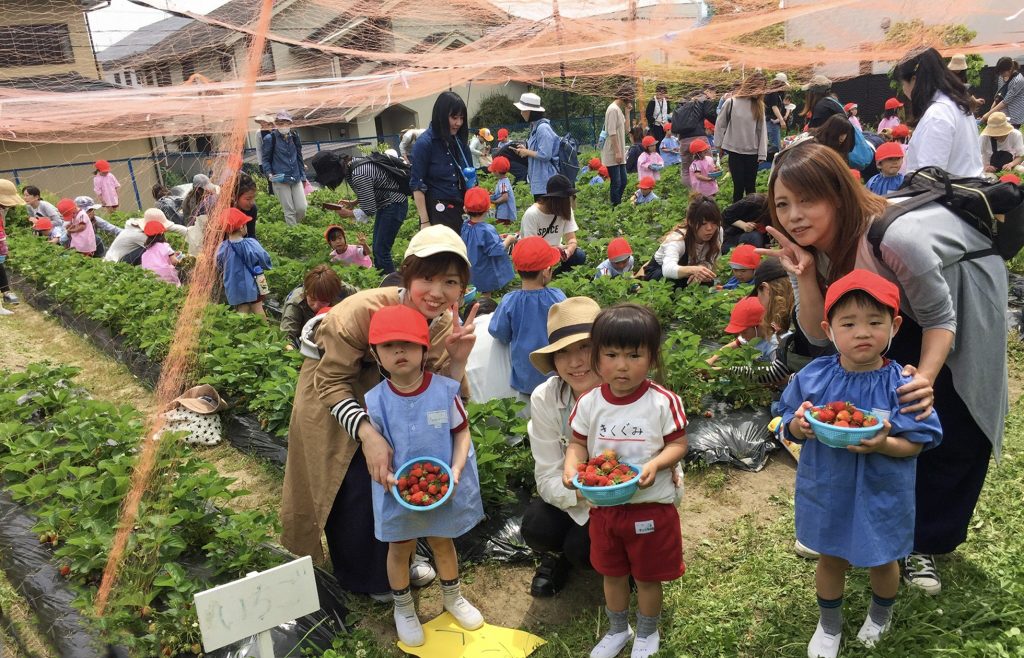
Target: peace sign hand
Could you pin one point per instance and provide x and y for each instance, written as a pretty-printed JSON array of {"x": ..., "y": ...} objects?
[
  {"x": 794, "y": 258},
  {"x": 460, "y": 342}
]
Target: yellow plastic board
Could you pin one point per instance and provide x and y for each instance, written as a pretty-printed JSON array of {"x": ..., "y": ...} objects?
[{"x": 446, "y": 639}]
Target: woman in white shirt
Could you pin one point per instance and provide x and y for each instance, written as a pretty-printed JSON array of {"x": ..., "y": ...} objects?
[
  {"x": 553, "y": 218},
  {"x": 688, "y": 252},
  {"x": 945, "y": 134},
  {"x": 556, "y": 524}
]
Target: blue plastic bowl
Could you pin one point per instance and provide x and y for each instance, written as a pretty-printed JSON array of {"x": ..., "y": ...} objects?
[
  {"x": 841, "y": 437},
  {"x": 406, "y": 467},
  {"x": 469, "y": 296},
  {"x": 715, "y": 174},
  {"x": 616, "y": 494}
]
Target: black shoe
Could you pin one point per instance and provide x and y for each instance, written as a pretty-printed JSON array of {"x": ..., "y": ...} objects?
[{"x": 550, "y": 576}]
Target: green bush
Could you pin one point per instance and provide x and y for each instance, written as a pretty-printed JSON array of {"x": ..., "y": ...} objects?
[{"x": 496, "y": 110}]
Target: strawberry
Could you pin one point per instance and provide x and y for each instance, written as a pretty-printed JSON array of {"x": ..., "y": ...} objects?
[
  {"x": 403, "y": 483},
  {"x": 416, "y": 472},
  {"x": 414, "y": 489},
  {"x": 65, "y": 570},
  {"x": 432, "y": 490},
  {"x": 590, "y": 480},
  {"x": 444, "y": 489},
  {"x": 416, "y": 498},
  {"x": 837, "y": 406},
  {"x": 826, "y": 416},
  {"x": 841, "y": 423},
  {"x": 870, "y": 421},
  {"x": 843, "y": 416},
  {"x": 443, "y": 478},
  {"x": 602, "y": 481},
  {"x": 857, "y": 417}
]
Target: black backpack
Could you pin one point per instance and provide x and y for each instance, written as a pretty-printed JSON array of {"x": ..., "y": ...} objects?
[
  {"x": 688, "y": 119},
  {"x": 976, "y": 201},
  {"x": 398, "y": 170},
  {"x": 328, "y": 169}
]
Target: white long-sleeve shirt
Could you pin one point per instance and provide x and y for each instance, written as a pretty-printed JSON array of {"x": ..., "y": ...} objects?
[
  {"x": 945, "y": 138},
  {"x": 549, "y": 433}
]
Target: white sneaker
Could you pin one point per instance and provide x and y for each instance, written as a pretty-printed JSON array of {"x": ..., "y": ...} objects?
[
  {"x": 610, "y": 645},
  {"x": 410, "y": 631},
  {"x": 4, "y": 311},
  {"x": 382, "y": 597},
  {"x": 646, "y": 646},
  {"x": 465, "y": 614},
  {"x": 919, "y": 570},
  {"x": 805, "y": 552},
  {"x": 421, "y": 573},
  {"x": 823, "y": 645},
  {"x": 11, "y": 298},
  {"x": 870, "y": 632}
]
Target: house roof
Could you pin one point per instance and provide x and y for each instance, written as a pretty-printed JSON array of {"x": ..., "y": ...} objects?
[
  {"x": 60, "y": 82},
  {"x": 142, "y": 39}
]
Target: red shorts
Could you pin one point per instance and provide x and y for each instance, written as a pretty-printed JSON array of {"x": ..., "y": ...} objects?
[{"x": 642, "y": 540}]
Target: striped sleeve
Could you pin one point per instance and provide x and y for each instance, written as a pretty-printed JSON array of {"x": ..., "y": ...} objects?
[
  {"x": 774, "y": 373},
  {"x": 374, "y": 188},
  {"x": 459, "y": 419},
  {"x": 349, "y": 415},
  {"x": 673, "y": 420}
]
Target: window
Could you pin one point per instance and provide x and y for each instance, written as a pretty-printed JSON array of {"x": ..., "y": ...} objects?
[
  {"x": 188, "y": 69},
  {"x": 267, "y": 60},
  {"x": 163, "y": 76},
  {"x": 117, "y": 78},
  {"x": 35, "y": 45}
]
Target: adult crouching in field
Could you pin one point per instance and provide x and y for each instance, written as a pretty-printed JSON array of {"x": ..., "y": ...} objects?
[
  {"x": 541, "y": 146},
  {"x": 378, "y": 196},
  {"x": 282, "y": 163},
  {"x": 128, "y": 246},
  {"x": 556, "y": 524},
  {"x": 333, "y": 449},
  {"x": 821, "y": 217},
  {"x": 439, "y": 160}
]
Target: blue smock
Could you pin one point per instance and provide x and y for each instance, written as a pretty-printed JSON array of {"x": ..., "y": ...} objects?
[{"x": 492, "y": 267}]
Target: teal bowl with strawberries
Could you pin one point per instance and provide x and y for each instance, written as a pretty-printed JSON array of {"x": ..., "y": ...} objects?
[
  {"x": 427, "y": 473},
  {"x": 611, "y": 494},
  {"x": 841, "y": 437}
]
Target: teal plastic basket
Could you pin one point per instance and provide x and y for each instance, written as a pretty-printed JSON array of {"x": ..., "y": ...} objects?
[
  {"x": 406, "y": 467},
  {"x": 841, "y": 437},
  {"x": 470, "y": 296},
  {"x": 715, "y": 174},
  {"x": 616, "y": 494}
]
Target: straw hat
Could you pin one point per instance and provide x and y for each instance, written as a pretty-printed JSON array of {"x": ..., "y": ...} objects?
[
  {"x": 9, "y": 194},
  {"x": 568, "y": 322},
  {"x": 958, "y": 62},
  {"x": 997, "y": 126},
  {"x": 818, "y": 83},
  {"x": 202, "y": 399}
]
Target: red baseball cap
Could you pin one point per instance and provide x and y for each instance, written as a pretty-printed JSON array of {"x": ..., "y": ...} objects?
[
  {"x": 1009, "y": 178},
  {"x": 154, "y": 228},
  {"x": 667, "y": 127},
  {"x": 856, "y": 174},
  {"x": 102, "y": 165},
  {"x": 900, "y": 131},
  {"x": 603, "y": 171},
  {"x": 534, "y": 254},
  {"x": 744, "y": 257},
  {"x": 502, "y": 133},
  {"x": 67, "y": 208},
  {"x": 594, "y": 164},
  {"x": 893, "y": 104},
  {"x": 477, "y": 201},
  {"x": 699, "y": 146},
  {"x": 646, "y": 183},
  {"x": 619, "y": 249},
  {"x": 399, "y": 323},
  {"x": 888, "y": 150},
  {"x": 235, "y": 219},
  {"x": 747, "y": 313},
  {"x": 708, "y": 126},
  {"x": 499, "y": 165},
  {"x": 883, "y": 290},
  {"x": 648, "y": 141},
  {"x": 850, "y": 106},
  {"x": 42, "y": 224}
]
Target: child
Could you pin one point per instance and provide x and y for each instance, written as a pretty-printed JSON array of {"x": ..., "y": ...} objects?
[
  {"x": 83, "y": 235},
  {"x": 901, "y": 135},
  {"x": 650, "y": 162},
  {"x": 889, "y": 157},
  {"x": 701, "y": 169},
  {"x": 504, "y": 197},
  {"x": 601, "y": 177},
  {"x": 890, "y": 118},
  {"x": 488, "y": 252},
  {"x": 421, "y": 415},
  {"x": 159, "y": 257},
  {"x": 105, "y": 185},
  {"x": 644, "y": 192},
  {"x": 670, "y": 147},
  {"x": 67, "y": 209},
  {"x": 592, "y": 168},
  {"x": 742, "y": 261},
  {"x": 851, "y": 115},
  {"x": 42, "y": 226},
  {"x": 746, "y": 321},
  {"x": 9, "y": 198},
  {"x": 521, "y": 318},
  {"x": 645, "y": 425},
  {"x": 620, "y": 260},
  {"x": 872, "y": 523},
  {"x": 240, "y": 261},
  {"x": 343, "y": 252},
  {"x": 502, "y": 139}
]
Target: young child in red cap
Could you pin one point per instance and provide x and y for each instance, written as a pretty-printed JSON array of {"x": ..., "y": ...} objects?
[
  {"x": 502, "y": 139},
  {"x": 504, "y": 197},
  {"x": 746, "y": 322},
  {"x": 851, "y": 115},
  {"x": 620, "y": 260},
  {"x": 889, "y": 157},
  {"x": 890, "y": 117},
  {"x": 650, "y": 163},
  {"x": 670, "y": 147},
  {"x": 105, "y": 185},
  {"x": 644, "y": 192},
  {"x": 593, "y": 166},
  {"x": 742, "y": 261},
  {"x": 241, "y": 261},
  {"x": 522, "y": 316},
  {"x": 602, "y": 176},
  {"x": 855, "y": 505},
  {"x": 487, "y": 251},
  {"x": 343, "y": 252},
  {"x": 701, "y": 168},
  {"x": 159, "y": 257},
  {"x": 421, "y": 414}
]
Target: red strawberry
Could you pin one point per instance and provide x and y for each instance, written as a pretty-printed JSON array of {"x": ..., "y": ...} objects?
[
  {"x": 870, "y": 421},
  {"x": 432, "y": 490},
  {"x": 65, "y": 570},
  {"x": 414, "y": 489},
  {"x": 403, "y": 483},
  {"x": 431, "y": 478},
  {"x": 826, "y": 416},
  {"x": 590, "y": 480},
  {"x": 843, "y": 416},
  {"x": 444, "y": 477},
  {"x": 841, "y": 423},
  {"x": 416, "y": 498},
  {"x": 416, "y": 472},
  {"x": 857, "y": 417},
  {"x": 444, "y": 489},
  {"x": 837, "y": 406}
]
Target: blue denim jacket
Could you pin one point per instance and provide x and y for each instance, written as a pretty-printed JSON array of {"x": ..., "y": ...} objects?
[
  {"x": 286, "y": 157},
  {"x": 436, "y": 169},
  {"x": 544, "y": 141}
]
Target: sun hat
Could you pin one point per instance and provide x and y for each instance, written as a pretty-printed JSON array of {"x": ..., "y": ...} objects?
[
  {"x": 699, "y": 146},
  {"x": 499, "y": 165},
  {"x": 529, "y": 102},
  {"x": 201, "y": 180},
  {"x": 235, "y": 219},
  {"x": 667, "y": 127},
  {"x": 850, "y": 106},
  {"x": 399, "y": 323},
  {"x": 997, "y": 126},
  {"x": 648, "y": 141},
  {"x": 327, "y": 231},
  {"x": 102, "y": 166},
  {"x": 744, "y": 257},
  {"x": 569, "y": 322},
  {"x": 282, "y": 115},
  {"x": 893, "y": 104},
  {"x": 502, "y": 134},
  {"x": 86, "y": 203},
  {"x": 1010, "y": 178},
  {"x": 747, "y": 313},
  {"x": 437, "y": 239},
  {"x": 67, "y": 208},
  {"x": 594, "y": 164},
  {"x": 477, "y": 201},
  {"x": 202, "y": 399},
  {"x": 9, "y": 194},
  {"x": 619, "y": 250},
  {"x": 646, "y": 183},
  {"x": 888, "y": 150},
  {"x": 485, "y": 134},
  {"x": 42, "y": 224},
  {"x": 900, "y": 131},
  {"x": 818, "y": 83},
  {"x": 263, "y": 118},
  {"x": 154, "y": 228},
  {"x": 603, "y": 171},
  {"x": 770, "y": 269},
  {"x": 884, "y": 291},
  {"x": 782, "y": 77},
  {"x": 534, "y": 254},
  {"x": 560, "y": 186},
  {"x": 958, "y": 62},
  {"x": 155, "y": 215}
]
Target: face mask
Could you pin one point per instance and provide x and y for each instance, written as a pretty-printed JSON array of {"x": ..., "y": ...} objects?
[{"x": 284, "y": 130}]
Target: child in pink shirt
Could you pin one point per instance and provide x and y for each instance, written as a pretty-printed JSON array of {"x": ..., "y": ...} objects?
[
  {"x": 702, "y": 168},
  {"x": 343, "y": 252},
  {"x": 105, "y": 185},
  {"x": 83, "y": 235},
  {"x": 650, "y": 162},
  {"x": 159, "y": 257}
]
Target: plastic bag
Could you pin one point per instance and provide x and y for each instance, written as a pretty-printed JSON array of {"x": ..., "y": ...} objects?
[{"x": 737, "y": 437}]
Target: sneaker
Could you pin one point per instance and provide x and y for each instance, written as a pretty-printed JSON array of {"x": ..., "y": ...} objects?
[
  {"x": 805, "y": 552},
  {"x": 823, "y": 645},
  {"x": 550, "y": 576},
  {"x": 421, "y": 573},
  {"x": 919, "y": 570},
  {"x": 4, "y": 311},
  {"x": 410, "y": 631},
  {"x": 465, "y": 614},
  {"x": 646, "y": 646},
  {"x": 11, "y": 298},
  {"x": 382, "y": 597},
  {"x": 870, "y": 632},
  {"x": 611, "y": 644}
]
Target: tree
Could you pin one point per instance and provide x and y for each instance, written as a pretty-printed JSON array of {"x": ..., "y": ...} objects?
[{"x": 496, "y": 110}]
